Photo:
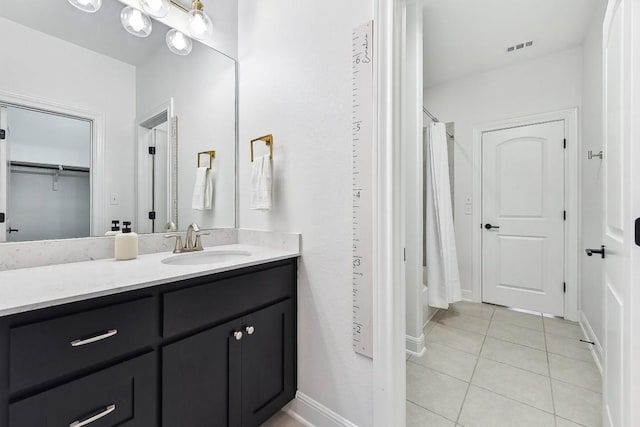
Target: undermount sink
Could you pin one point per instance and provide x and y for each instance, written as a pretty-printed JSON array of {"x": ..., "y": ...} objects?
[{"x": 206, "y": 257}]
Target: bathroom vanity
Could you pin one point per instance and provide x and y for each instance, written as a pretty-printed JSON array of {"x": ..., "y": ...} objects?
[{"x": 185, "y": 346}]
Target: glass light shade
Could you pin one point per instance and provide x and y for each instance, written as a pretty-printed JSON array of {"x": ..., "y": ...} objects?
[
  {"x": 90, "y": 6},
  {"x": 200, "y": 25},
  {"x": 155, "y": 8},
  {"x": 178, "y": 43},
  {"x": 135, "y": 22}
]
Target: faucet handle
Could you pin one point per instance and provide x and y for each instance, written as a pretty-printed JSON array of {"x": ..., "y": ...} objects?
[
  {"x": 178, "y": 248},
  {"x": 198, "y": 245}
]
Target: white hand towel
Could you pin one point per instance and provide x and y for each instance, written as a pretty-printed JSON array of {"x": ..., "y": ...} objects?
[
  {"x": 203, "y": 190},
  {"x": 261, "y": 179}
]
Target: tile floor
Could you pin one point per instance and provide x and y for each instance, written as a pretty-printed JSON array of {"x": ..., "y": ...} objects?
[
  {"x": 281, "y": 419},
  {"x": 487, "y": 366}
]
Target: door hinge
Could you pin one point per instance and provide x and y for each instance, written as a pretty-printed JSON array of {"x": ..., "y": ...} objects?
[
  {"x": 152, "y": 215},
  {"x": 564, "y": 287},
  {"x": 404, "y": 254},
  {"x": 564, "y": 215},
  {"x": 3, "y": 134},
  {"x": 2, "y": 217},
  {"x": 152, "y": 150},
  {"x": 564, "y": 143}
]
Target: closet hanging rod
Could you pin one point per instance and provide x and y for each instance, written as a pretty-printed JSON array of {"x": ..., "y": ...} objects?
[{"x": 60, "y": 168}]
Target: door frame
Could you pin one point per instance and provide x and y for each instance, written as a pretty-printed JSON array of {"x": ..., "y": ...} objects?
[
  {"x": 572, "y": 201},
  {"x": 97, "y": 178}
]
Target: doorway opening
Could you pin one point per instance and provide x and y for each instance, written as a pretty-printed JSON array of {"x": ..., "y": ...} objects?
[{"x": 45, "y": 174}]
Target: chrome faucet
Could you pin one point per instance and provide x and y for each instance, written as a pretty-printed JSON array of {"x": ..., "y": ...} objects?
[{"x": 189, "y": 245}]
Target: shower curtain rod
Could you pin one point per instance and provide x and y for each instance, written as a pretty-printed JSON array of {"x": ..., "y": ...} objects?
[
  {"x": 431, "y": 116},
  {"x": 435, "y": 119}
]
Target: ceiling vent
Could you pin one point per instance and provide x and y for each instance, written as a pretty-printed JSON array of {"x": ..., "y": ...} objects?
[{"x": 520, "y": 46}]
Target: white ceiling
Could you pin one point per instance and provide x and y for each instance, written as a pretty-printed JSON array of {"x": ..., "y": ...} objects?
[
  {"x": 465, "y": 37},
  {"x": 100, "y": 31}
]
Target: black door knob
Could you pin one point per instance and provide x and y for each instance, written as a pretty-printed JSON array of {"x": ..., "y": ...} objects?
[
  {"x": 489, "y": 226},
  {"x": 601, "y": 251}
]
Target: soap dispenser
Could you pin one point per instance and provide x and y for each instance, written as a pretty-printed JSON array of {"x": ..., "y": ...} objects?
[
  {"x": 115, "y": 228},
  {"x": 126, "y": 243}
]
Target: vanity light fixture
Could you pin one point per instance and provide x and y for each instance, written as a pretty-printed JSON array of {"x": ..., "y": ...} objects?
[
  {"x": 136, "y": 22},
  {"x": 200, "y": 25},
  {"x": 90, "y": 6},
  {"x": 156, "y": 8},
  {"x": 178, "y": 43}
]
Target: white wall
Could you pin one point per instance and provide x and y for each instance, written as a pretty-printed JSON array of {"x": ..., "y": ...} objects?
[
  {"x": 545, "y": 84},
  {"x": 48, "y": 68},
  {"x": 203, "y": 87},
  {"x": 38, "y": 137},
  {"x": 591, "y": 293},
  {"x": 295, "y": 82}
]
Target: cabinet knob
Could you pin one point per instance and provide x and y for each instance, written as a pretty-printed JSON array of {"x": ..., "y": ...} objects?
[
  {"x": 250, "y": 330},
  {"x": 237, "y": 335}
]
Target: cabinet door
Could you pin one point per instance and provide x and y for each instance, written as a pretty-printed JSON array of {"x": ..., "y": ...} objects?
[
  {"x": 201, "y": 378},
  {"x": 268, "y": 362}
]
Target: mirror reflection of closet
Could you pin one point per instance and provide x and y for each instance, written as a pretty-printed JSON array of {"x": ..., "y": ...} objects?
[{"x": 48, "y": 178}]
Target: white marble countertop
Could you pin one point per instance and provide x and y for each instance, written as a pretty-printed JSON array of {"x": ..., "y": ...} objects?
[{"x": 39, "y": 287}]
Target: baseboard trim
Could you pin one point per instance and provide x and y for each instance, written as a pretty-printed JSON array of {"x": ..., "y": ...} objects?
[
  {"x": 415, "y": 346},
  {"x": 467, "y": 295},
  {"x": 596, "y": 349},
  {"x": 430, "y": 318},
  {"x": 311, "y": 413}
]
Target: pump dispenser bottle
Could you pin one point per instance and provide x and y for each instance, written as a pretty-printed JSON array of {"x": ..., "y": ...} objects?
[
  {"x": 115, "y": 228},
  {"x": 126, "y": 243}
]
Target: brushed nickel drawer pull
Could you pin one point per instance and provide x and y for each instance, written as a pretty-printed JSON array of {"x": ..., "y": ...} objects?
[
  {"x": 108, "y": 334},
  {"x": 109, "y": 409}
]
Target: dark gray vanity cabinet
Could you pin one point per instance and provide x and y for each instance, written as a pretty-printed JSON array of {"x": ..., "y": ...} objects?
[
  {"x": 217, "y": 350},
  {"x": 239, "y": 373}
]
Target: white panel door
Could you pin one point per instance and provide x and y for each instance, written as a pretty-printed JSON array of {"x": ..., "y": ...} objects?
[
  {"x": 621, "y": 59},
  {"x": 523, "y": 217},
  {"x": 4, "y": 173}
]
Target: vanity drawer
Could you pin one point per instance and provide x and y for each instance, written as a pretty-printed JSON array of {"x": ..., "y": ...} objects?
[
  {"x": 52, "y": 348},
  {"x": 124, "y": 394},
  {"x": 198, "y": 306}
]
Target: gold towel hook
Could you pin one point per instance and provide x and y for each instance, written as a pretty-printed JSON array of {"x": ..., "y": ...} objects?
[
  {"x": 267, "y": 139},
  {"x": 211, "y": 154}
]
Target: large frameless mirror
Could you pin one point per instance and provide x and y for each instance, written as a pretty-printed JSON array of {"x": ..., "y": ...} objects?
[{"x": 101, "y": 125}]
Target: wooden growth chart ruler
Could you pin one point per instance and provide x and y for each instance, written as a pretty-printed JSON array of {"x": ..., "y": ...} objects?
[{"x": 363, "y": 145}]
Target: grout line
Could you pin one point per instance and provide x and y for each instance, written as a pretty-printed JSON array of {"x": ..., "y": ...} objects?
[
  {"x": 456, "y": 349},
  {"x": 571, "y": 421},
  {"x": 466, "y": 330},
  {"x": 466, "y": 393},
  {"x": 439, "y": 372},
  {"x": 553, "y": 399},
  {"x": 517, "y": 343},
  {"x": 513, "y": 399},
  {"x": 430, "y": 410},
  {"x": 515, "y": 367},
  {"x": 576, "y": 386}
]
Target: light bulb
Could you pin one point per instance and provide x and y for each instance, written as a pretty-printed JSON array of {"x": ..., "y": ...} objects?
[
  {"x": 178, "y": 43},
  {"x": 90, "y": 6},
  {"x": 200, "y": 25},
  {"x": 135, "y": 22},
  {"x": 155, "y": 8}
]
